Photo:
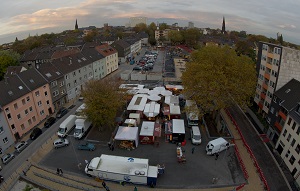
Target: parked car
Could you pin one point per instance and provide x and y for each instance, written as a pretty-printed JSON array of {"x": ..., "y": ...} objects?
[
  {"x": 50, "y": 121},
  {"x": 87, "y": 146},
  {"x": 61, "y": 112},
  {"x": 137, "y": 68},
  {"x": 36, "y": 132},
  {"x": 60, "y": 143},
  {"x": 20, "y": 146},
  {"x": 7, "y": 158}
]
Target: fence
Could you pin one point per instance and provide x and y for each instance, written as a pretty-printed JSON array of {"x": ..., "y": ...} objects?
[{"x": 261, "y": 175}]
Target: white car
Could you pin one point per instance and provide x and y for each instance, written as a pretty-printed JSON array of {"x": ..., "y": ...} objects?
[{"x": 60, "y": 143}]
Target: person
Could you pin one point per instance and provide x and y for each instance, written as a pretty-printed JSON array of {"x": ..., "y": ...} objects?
[
  {"x": 217, "y": 156},
  {"x": 57, "y": 171},
  {"x": 112, "y": 147},
  {"x": 135, "y": 188},
  {"x": 193, "y": 150},
  {"x": 61, "y": 172}
]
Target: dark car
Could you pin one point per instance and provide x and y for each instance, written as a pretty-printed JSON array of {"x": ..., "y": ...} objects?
[
  {"x": 87, "y": 146},
  {"x": 50, "y": 121},
  {"x": 61, "y": 112},
  {"x": 137, "y": 68},
  {"x": 36, "y": 132}
]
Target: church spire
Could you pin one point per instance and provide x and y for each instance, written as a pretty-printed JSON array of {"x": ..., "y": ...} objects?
[
  {"x": 223, "y": 26},
  {"x": 76, "y": 25}
]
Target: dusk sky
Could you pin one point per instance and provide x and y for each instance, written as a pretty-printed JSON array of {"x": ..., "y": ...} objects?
[{"x": 19, "y": 18}]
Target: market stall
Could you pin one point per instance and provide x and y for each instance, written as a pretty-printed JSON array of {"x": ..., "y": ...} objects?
[
  {"x": 130, "y": 123},
  {"x": 128, "y": 137},
  {"x": 135, "y": 116},
  {"x": 175, "y": 112},
  {"x": 151, "y": 110},
  {"x": 147, "y": 132}
]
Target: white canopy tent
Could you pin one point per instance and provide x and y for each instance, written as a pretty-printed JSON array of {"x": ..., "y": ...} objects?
[
  {"x": 143, "y": 91},
  {"x": 172, "y": 100},
  {"x": 128, "y": 134},
  {"x": 156, "y": 92},
  {"x": 152, "y": 109},
  {"x": 159, "y": 89},
  {"x": 166, "y": 93},
  {"x": 175, "y": 110},
  {"x": 137, "y": 102},
  {"x": 154, "y": 97}
]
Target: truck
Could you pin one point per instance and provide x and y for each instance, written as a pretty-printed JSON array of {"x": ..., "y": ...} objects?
[
  {"x": 123, "y": 169},
  {"x": 216, "y": 146},
  {"x": 66, "y": 126},
  {"x": 82, "y": 127},
  {"x": 80, "y": 112},
  {"x": 192, "y": 113}
]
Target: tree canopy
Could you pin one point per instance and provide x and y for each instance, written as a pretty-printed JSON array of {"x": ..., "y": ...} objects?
[
  {"x": 216, "y": 76},
  {"x": 140, "y": 27},
  {"x": 103, "y": 100},
  {"x": 7, "y": 58}
]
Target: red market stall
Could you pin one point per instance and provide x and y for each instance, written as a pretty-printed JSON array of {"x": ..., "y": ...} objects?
[{"x": 147, "y": 132}]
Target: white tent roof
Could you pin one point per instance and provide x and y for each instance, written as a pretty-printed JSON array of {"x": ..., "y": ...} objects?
[
  {"x": 160, "y": 89},
  {"x": 152, "y": 109},
  {"x": 178, "y": 126},
  {"x": 147, "y": 128},
  {"x": 172, "y": 100},
  {"x": 175, "y": 110},
  {"x": 154, "y": 97},
  {"x": 166, "y": 93},
  {"x": 128, "y": 134},
  {"x": 179, "y": 87},
  {"x": 130, "y": 122},
  {"x": 143, "y": 91},
  {"x": 153, "y": 92},
  {"x": 138, "y": 102}
]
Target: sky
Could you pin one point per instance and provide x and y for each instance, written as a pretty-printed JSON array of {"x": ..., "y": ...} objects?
[{"x": 21, "y": 18}]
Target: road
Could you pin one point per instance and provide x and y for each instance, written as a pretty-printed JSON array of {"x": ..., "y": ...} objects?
[{"x": 263, "y": 156}]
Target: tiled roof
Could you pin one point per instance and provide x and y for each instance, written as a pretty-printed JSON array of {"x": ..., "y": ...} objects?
[
  {"x": 32, "y": 79},
  {"x": 122, "y": 43},
  {"x": 63, "y": 53},
  {"x": 90, "y": 52},
  {"x": 12, "y": 70},
  {"x": 289, "y": 94},
  {"x": 49, "y": 71},
  {"x": 106, "y": 50}
]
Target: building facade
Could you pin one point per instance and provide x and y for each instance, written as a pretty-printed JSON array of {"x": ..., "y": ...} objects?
[
  {"x": 111, "y": 57},
  {"x": 6, "y": 137}
]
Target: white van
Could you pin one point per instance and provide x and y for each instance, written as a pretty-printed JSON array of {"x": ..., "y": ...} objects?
[
  {"x": 216, "y": 146},
  {"x": 66, "y": 126},
  {"x": 195, "y": 135}
]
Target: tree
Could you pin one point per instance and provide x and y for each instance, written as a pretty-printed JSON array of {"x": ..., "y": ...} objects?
[
  {"x": 244, "y": 48},
  {"x": 152, "y": 40},
  {"x": 28, "y": 187},
  {"x": 103, "y": 99},
  {"x": 175, "y": 37},
  {"x": 140, "y": 27},
  {"x": 152, "y": 27},
  {"x": 163, "y": 26},
  {"x": 216, "y": 78},
  {"x": 191, "y": 36},
  {"x": 7, "y": 58}
]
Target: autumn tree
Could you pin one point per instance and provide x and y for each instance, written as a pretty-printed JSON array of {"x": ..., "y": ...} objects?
[
  {"x": 191, "y": 36},
  {"x": 103, "y": 99},
  {"x": 216, "y": 78},
  {"x": 175, "y": 37},
  {"x": 140, "y": 27},
  {"x": 163, "y": 26},
  {"x": 7, "y": 58}
]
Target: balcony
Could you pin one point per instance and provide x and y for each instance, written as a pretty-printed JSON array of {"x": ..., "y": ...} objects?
[
  {"x": 265, "y": 86},
  {"x": 282, "y": 115},
  {"x": 263, "y": 95},
  {"x": 267, "y": 76},
  {"x": 260, "y": 105},
  {"x": 278, "y": 126},
  {"x": 269, "y": 65},
  {"x": 270, "y": 54}
]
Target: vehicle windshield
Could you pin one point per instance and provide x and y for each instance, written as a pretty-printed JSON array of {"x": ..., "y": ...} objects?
[
  {"x": 197, "y": 137},
  {"x": 77, "y": 131},
  {"x": 61, "y": 130}
]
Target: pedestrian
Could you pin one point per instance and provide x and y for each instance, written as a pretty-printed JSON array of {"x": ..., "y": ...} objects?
[
  {"x": 216, "y": 156},
  {"x": 122, "y": 183},
  {"x": 24, "y": 173},
  {"x": 135, "y": 188},
  {"x": 109, "y": 145},
  {"x": 103, "y": 184},
  {"x": 193, "y": 150},
  {"x": 57, "y": 171},
  {"x": 61, "y": 172},
  {"x": 112, "y": 147}
]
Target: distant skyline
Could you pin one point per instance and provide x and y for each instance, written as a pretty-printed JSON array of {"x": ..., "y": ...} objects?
[{"x": 23, "y": 17}]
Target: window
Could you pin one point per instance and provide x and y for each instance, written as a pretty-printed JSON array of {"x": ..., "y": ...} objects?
[
  {"x": 67, "y": 77},
  {"x": 19, "y": 116},
  {"x": 289, "y": 137},
  {"x": 74, "y": 74},
  {"x": 23, "y": 101},
  {"x": 293, "y": 142},
  {"x": 29, "y": 122},
  {"x": 7, "y": 109},
  {"x": 289, "y": 122},
  {"x": 1, "y": 130},
  {"x": 5, "y": 140},
  {"x": 28, "y": 98},
  {"x": 55, "y": 93},
  {"x": 42, "y": 112},
  {"x": 75, "y": 82},
  {"x": 272, "y": 110},
  {"x": 46, "y": 94},
  {"x": 37, "y": 93},
  {"x": 79, "y": 71},
  {"x": 69, "y": 85},
  {"x": 22, "y": 126},
  {"x": 39, "y": 103},
  {"x": 13, "y": 126},
  {"x": 48, "y": 102},
  {"x": 274, "y": 98},
  {"x": 16, "y": 106},
  {"x": 30, "y": 109},
  {"x": 298, "y": 130},
  {"x": 62, "y": 83},
  {"x": 33, "y": 119},
  {"x": 294, "y": 125},
  {"x": 298, "y": 149},
  {"x": 292, "y": 160},
  {"x": 26, "y": 111},
  {"x": 54, "y": 83},
  {"x": 284, "y": 132}
]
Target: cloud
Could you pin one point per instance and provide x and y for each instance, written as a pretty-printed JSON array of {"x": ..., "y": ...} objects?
[{"x": 288, "y": 26}]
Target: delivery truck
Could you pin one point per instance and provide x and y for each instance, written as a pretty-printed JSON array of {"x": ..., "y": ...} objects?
[
  {"x": 66, "y": 126},
  {"x": 123, "y": 169},
  {"x": 82, "y": 126},
  {"x": 216, "y": 146}
]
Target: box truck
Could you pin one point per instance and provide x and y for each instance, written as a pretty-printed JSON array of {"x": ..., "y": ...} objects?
[
  {"x": 82, "y": 126},
  {"x": 66, "y": 126},
  {"x": 123, "y": 169},
  {"x": 216, "y": 146},
  {"x": 79, "y": 112}
]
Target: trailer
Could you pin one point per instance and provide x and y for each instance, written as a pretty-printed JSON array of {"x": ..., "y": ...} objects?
[{"x": 123, "y": 169}]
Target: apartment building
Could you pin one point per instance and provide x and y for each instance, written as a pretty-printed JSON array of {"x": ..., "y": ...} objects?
[
  {"x": 6, "y": 137},
  {"x": 284, "y": 101},
  {"x": 276, "y": 65},
  {"x": 25, "y": 100},
  {"x": 288, "y": 144},
  {"x": 77, "y": 69},
  {"x": 111, "y": 57},
  {"x": 123, "y": 49},
  {"x": 159, "y": 34}
]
